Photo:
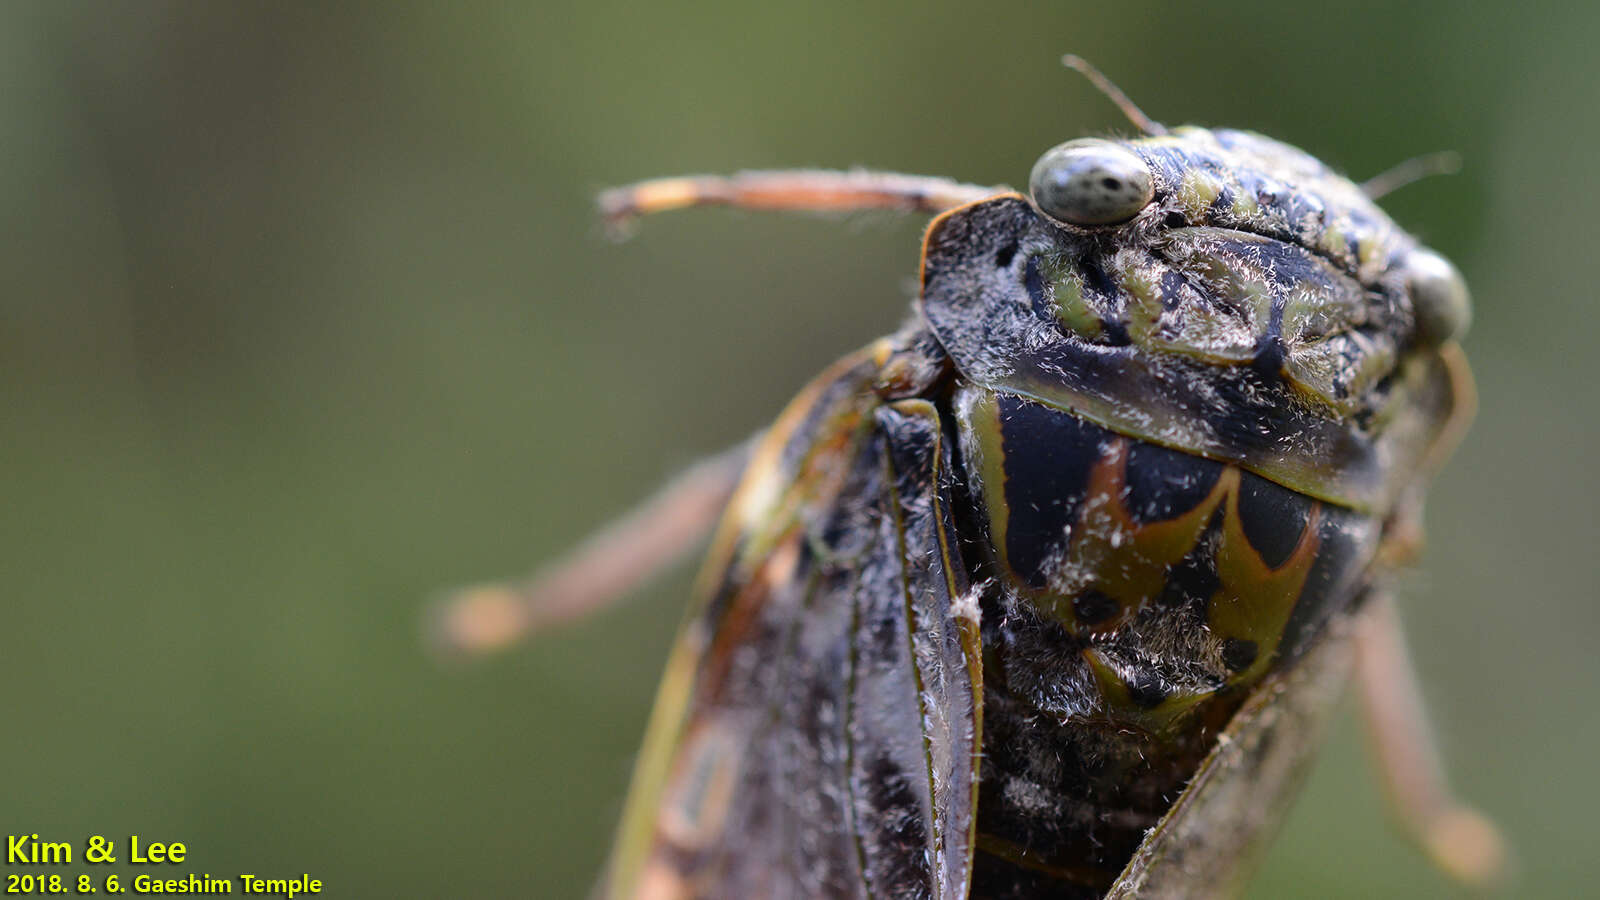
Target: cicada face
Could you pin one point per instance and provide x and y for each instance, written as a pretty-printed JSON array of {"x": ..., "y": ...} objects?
[{"x": 1249, "y": 306}]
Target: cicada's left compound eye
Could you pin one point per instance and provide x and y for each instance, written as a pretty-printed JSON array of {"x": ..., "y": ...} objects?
[
  {"x": 1091, "y": 182},
  {"x": 1439, "y": 296}
]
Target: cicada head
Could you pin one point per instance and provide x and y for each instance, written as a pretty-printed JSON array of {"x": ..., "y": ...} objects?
[{"x": 1217, "y": 292}]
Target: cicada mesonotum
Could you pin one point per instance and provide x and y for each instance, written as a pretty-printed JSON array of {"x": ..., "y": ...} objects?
[{"x": 1047, "y": 594}]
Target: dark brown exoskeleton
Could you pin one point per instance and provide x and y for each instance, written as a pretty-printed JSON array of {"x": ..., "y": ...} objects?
[{"x": 1048, "y": 593}]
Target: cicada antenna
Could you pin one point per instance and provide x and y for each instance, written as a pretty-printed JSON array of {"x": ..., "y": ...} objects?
[
  {"x": 1113, "y": 93},
  {"x": 1445, "y": 162}
]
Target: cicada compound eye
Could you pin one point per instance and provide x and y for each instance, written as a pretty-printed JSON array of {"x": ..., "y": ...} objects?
[
  {"x": 1439, "y": 296},
  {"x": 1091, "y": 182}
]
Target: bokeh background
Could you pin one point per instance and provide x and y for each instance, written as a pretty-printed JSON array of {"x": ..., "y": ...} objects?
[{"x": 306, "y": 317}]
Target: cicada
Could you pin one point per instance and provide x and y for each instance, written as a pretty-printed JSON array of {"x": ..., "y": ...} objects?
[{"x": 1050, "y": 592}]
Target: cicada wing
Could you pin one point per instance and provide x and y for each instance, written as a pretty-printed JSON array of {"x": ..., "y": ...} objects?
[
  {"x": 941, "y": 616},
  {"x": 1208, "y": 843},
  {"x": 818, "y": 728}
]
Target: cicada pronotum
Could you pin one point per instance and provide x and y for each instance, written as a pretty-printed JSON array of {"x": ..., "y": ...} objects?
[{"x": 1048, "y": 593}]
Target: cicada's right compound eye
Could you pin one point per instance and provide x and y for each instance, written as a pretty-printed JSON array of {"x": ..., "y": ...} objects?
[{"x": 1091, "y": 182}]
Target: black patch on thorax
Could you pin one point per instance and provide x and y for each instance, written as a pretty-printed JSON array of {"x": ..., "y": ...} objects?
[
  {"x": 1164, "y": 484},
  {"x": 1048, "y": 457},
  {"x": 1273, "y": 517}
]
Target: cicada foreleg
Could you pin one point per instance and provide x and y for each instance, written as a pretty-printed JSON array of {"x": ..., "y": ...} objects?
[
  {"x": 1460, "y": 840},
  {"x": 606, "y": 567},
  {"x": 793, "y": 189}
]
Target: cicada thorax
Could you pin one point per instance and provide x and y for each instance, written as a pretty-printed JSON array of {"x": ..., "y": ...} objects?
[
  {"x": 1176, "y": 577},
  {"x": 1137, "y": 594}
]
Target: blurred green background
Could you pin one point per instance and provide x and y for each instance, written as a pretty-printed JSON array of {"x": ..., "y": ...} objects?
[{"x": 307, "y": 317}]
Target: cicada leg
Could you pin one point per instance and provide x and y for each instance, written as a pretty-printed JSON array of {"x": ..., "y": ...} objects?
[
  {"x": 1460, "y": 840},
  {"x": 604, "y": 568},
  {"x": 795, "y": 189}
]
